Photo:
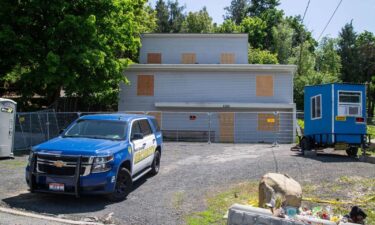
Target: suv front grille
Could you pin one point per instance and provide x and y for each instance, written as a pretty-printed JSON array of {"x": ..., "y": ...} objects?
[
  {"x": 64, "y": 171},
  {"x": 62, "y": 165}
]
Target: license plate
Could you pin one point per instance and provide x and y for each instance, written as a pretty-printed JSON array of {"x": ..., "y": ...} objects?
[{"x": 56, "y": 187}]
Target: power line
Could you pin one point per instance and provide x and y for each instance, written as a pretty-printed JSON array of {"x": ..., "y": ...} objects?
[
  {"x": 304, "y": 14},
  {"x": 329, "y": 21},
  {"x": 302, "y": 37}
]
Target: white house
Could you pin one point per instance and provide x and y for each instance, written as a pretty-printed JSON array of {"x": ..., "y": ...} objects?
[{"x": 210, "y": 73}]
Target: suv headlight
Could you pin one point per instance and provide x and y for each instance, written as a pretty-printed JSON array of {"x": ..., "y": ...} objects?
[
  {"x": 30, "y": 157},
  {"x": 102, "y": 164}
]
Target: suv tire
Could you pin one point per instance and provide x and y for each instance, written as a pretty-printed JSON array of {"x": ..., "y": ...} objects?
[
  {"x": 156, "y": 163},
  {"x": 123, "y": 185}
]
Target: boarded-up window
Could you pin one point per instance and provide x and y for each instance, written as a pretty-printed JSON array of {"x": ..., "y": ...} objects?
[
  {"x": 158, "y": 117},
  {"x": 145, "y": 85},
  {"x": 264, "y": 85},
  {"x": 268, "y": 122},
  {"x": 154, "y": 58},
  {"x": 188, "y": 58},
  {"x": 227, "y": 58}
]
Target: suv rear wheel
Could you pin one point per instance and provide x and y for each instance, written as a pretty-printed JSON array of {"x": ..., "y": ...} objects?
[
  {"x": 123, "y": 185},
  {"x": 155, "y": 164}
]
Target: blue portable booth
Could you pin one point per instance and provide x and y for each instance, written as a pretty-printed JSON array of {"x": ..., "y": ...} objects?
[{"x": 335, "y": 113}]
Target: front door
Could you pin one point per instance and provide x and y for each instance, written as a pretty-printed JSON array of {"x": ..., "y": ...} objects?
[
  {"x": 143, "y": 148},
  {"x": 226, "y": 127}
]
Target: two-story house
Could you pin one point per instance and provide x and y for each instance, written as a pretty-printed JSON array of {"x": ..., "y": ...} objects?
[{"x": 210, "y": 73}]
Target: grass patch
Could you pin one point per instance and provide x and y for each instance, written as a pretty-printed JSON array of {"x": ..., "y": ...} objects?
[
  {"x": 178, "y": 200},
  {"x": 217, "y": 205},
  {"x": 344, "y": 192},
  {"x": 13, "y": 163}
]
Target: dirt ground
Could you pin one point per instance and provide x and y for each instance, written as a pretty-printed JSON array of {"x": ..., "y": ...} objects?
[{"x": 189, "y": 173}]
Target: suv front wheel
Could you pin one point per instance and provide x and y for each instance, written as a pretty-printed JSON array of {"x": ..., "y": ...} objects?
[{"x": 123, "y": 185}]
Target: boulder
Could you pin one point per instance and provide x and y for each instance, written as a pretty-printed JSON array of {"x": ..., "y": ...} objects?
[{"x": 275, "y": 185}]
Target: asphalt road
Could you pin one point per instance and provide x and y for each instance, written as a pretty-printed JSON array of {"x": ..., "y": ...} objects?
[{"x": 189, "y": 172}]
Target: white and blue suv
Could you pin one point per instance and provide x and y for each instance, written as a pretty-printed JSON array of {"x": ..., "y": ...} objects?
[{"x": 97, "y": 154}]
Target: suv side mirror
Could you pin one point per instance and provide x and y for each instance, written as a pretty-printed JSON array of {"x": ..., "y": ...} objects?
[{"x": 137, "y": 136}]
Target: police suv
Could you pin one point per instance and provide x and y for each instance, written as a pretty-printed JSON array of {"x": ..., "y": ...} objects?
[{"x": 97, "y": 154}]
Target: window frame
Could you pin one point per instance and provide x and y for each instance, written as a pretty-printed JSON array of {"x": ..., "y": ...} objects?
[
  {"x": 320, "y": 106},
  {"x": 149, "y": 126},
  {"x": 360, "y": 104}
]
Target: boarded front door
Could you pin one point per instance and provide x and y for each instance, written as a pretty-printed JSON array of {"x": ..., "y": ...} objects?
[{"x": 226, "y": 127}]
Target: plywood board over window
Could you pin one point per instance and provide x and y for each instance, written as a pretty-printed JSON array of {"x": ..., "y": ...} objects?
[
  {"x": 154, "y": 58},
  {"x": 264, "y": 85},
  {"x": 157, "y": 115},
  {"x": 227, "y": 58},
  {"x": 268, "y": 122},
  {"x": 226, "y": 127},
  {"x": 145, "y": 85},
  {"x": 188, "y": 58}
]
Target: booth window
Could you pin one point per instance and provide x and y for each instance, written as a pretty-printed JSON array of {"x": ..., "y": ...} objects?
[
  {"x": 316, "y": 107},
  {"x": 350, "y": 103}
]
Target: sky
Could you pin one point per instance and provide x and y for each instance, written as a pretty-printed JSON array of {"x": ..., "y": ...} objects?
[{"x": 362, "y": 12}]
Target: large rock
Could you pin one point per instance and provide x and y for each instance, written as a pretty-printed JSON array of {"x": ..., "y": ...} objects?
[{"x": 275, "y": 185}]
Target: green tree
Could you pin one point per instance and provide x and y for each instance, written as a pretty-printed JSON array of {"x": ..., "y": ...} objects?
[
  {"x": 366, "y": 63},
  {"x": 256, "y": 29},
  {"x": 258, "y": 7},
  {"x": 228, "y": 26},
  {"x": 198, "y": 22},
  {"x": 272, "y": 17},
  {"x": 148, "y": 22},
  {"x": 257, "y": 56},
  {"x": 306, "y": 75},
  {"x": 81, "y": 47},
  {"x": 283, "y": 40},
  {"x": 328, "y": 61},
  {"x": 162, "y": 17},
  {"x": 237, "y": 11},
  {"x": 300, "y": 34},
  {"x": 176, "y": 16},
  {"x": 349, "y": 54}
]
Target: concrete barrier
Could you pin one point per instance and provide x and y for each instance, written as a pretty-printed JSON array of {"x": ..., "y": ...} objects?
[{"x": 247, "y": 215}]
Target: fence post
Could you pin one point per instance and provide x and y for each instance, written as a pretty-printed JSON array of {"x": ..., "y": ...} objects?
[
  {"x": 47, "y": 123},
  {"x": 209, "y": 127},
  {"x": 275, "y": 128}
]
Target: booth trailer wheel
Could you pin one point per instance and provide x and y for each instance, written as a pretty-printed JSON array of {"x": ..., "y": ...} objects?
[
  {"x": 305, "y": 145},
  {"x": 352, "y": 151}
]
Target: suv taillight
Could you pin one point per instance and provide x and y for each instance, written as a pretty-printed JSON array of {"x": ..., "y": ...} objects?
[{"x": 360, "y": 120}]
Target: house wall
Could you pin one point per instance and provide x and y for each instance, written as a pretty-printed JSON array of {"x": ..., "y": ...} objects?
[
  {"x": 239, "y": 87},
  {"x": 208, "y": 49}
]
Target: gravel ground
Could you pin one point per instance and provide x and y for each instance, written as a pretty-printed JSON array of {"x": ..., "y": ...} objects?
[{"x": 189, "y": 172}]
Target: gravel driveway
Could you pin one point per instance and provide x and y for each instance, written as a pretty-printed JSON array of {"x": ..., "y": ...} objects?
[{"x": 189, "y": 172}]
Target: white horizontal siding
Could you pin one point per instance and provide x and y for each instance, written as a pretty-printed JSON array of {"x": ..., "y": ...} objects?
[
  {"x": 208, "y": 50},
  {"x": 237, "y": 87}
]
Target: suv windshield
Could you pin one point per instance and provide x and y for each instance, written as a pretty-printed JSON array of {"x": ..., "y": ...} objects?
[{"x": 100, "y": 129}]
